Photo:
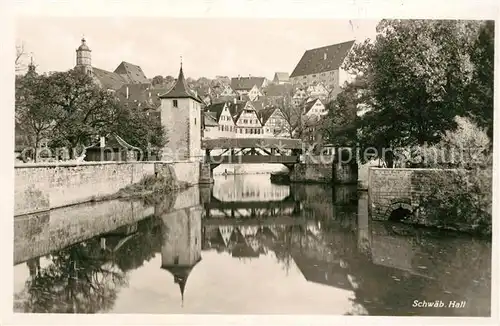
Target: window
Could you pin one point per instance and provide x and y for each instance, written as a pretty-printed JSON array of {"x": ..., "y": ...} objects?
[
  {"x": 244, "y": 120},
  {"x": 175, "y": 104},
  {"x": 195, "y": 121},
  {"x": 246, "y": 131}
]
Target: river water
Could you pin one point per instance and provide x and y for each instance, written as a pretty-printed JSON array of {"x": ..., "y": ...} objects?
[{"x": 244, "y": 246}]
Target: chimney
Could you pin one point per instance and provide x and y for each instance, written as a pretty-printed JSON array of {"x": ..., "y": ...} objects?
[
  {"x": 127, "y": 92},
  {"x": 249, "y": 75},
  {"x": 239, "y": 77},
  {"x": 324, "y": 56}
]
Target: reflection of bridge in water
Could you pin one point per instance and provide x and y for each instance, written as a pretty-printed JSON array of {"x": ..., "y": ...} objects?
[{"x": 256, "y": 197}]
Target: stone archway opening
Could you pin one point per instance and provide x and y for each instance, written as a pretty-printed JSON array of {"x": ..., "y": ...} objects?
[
  {"x": 399, "y": 214},
  {"x": 399, "y": 210}
]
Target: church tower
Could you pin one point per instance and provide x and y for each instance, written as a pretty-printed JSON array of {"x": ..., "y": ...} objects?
[
  {"x": 83, "y": 57},
  {"x": 181, "y": 117},
  {"x": 181, "y": 249}
]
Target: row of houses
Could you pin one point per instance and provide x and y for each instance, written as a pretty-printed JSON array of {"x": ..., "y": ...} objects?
[{"x": 242, "y": 119}]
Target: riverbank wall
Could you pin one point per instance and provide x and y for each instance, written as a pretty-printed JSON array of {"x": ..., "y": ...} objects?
[
  {"x": 41, "y": 187},
  {"x": 337, "y": 173}
]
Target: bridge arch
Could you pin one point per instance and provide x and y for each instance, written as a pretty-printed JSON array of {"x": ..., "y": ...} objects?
[{"x": 398, "y": 210}]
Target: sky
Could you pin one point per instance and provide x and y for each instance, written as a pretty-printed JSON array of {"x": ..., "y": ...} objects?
[{"x": 208, "y": 46}]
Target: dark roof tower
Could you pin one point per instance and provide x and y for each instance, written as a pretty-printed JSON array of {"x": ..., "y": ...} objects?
[
  {"x": 181, "y": 274},
  {"x": 181, "y": 89}
]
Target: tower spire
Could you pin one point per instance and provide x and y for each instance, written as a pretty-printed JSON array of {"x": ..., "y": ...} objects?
[
  {"x": 181, "y": 61},
  {"x": 182, "y": 285},
  {"x": 181, "y": 89}
]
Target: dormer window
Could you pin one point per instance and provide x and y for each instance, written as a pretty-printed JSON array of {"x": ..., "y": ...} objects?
[{"x": 176, "y": 105}]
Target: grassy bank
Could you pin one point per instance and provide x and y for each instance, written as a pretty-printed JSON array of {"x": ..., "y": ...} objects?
[{"x": 147, "y": 187}]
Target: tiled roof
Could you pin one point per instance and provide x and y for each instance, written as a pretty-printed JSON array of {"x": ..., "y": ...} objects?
[
  {"x": 181, "y": 90},
  {"x": 133, "y": 73},
  {"x": 282, "y": 76},
  {"x": 221, "y": 99},
  {"x": 322, "y": 59},
  {"x": 108, "y": 79},
  {"x": 265, "y": 114},
  {"x": 309, "y": 104},
  {"x": 216, "y": 109},
  {"x": 209, "y": 119},
  {"x": 246, "y": 83},
  {"x": 144, "y": 94},
  {"x": 278, "y": 90},
  {"x": 258, "y": 105}
]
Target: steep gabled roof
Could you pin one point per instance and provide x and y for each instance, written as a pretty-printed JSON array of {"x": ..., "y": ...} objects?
[
  {"x": 210, "y": 120},
  {"x": 133, "y": 73},
  {"x": 108, "y": 79},
  {"x": 181, "y": 90},
  {"x": 143, "y": 94},
  {"x": 322, "y": 59},
  {"x": 278, "y": 90},
  {"x": 282, "y": 76},
  {"x": 216, "y": 109},
  {"x": 265, "y": 114},
  {"x": 258, "y": 105},
  {"x": 238, "y": 108},
  {"x": 246, "y": 83},
  {"x": 309, "y": 104}
]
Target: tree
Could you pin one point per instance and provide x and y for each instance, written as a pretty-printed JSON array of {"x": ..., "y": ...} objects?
[
  {"x": 463, "y": 199},
  {"x": 417, "y": 75},
  {"x": 157, "y": 80},
  {"x": 140, "y": 128},
  {"x": 80, "y": 279},
  {"x": 84, "y": 111},
  {"x": 71, "y": 111},
  {"x": 295, "y": 123},
  {"x": 339, "y": 127},
  {"x": 20, "y": 54},
  {"x": 480, "y": 104},
  {"x": 34, "y": 110}
]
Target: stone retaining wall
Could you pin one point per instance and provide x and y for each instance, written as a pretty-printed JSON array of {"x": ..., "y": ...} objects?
[
  {"x": 389, "y": 189},
  {"x": 40, "y": 187}
]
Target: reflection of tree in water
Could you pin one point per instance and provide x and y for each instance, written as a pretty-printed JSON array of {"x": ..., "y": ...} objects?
[
  {"x": 79, "y": 280},
  {"x": 142, "y": 246},
  {"x": 85, "y": 278}
]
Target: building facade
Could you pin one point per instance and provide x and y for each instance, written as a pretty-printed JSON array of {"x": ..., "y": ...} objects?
[
  {"x": 323, "y": 65},
  {"x": 180, "y": 113}
]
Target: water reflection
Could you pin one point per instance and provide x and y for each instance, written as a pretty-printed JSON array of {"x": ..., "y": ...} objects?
[{"x": 251, "y": 249}]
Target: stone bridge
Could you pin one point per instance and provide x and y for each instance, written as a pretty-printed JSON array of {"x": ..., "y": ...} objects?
[{"x": 398, "y": 190}]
